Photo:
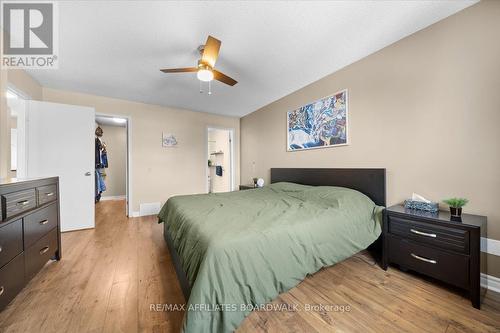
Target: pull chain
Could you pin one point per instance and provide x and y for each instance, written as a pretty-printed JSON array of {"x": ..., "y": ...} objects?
[
  {"x": 201, "y": 88},
  {"x": 209, "y": 88}
]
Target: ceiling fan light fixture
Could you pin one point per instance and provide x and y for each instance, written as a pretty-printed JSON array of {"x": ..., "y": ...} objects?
[{"x": 205, "y": 75}]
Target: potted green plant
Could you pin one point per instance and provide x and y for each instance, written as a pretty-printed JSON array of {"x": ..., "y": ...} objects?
[{"x": 456, "y": 205}]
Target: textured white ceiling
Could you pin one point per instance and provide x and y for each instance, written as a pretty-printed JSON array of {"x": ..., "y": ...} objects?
[{"x": 116, "y": 48}]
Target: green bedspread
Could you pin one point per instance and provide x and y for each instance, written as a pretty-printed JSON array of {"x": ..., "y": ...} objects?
[{"x": 241, "y": 249}]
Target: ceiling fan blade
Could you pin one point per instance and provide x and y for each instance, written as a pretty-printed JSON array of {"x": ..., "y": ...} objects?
[
  {"x": 224, "y": 78},
  {"x": 180, "y": 70},
  {"x": 211, "y": 51}
]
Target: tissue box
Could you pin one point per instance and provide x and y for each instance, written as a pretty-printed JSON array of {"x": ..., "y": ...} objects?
[{"x": 419, "y": 205}]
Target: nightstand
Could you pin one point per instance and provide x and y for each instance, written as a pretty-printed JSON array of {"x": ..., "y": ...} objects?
[
  {"x": 435, "y": 245},
  {"x": 247, "y": 187}
]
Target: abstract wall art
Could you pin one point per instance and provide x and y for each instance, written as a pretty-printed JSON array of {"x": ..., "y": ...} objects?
[{"x": 319, "y": 124}]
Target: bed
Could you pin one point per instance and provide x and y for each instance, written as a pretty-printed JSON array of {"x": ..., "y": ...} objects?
[{"x": 234, "y": 252}]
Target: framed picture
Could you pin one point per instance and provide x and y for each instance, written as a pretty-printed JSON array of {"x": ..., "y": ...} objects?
[
  {"x": 320, "y": 124},
  {"x": 168, "y": 140}
]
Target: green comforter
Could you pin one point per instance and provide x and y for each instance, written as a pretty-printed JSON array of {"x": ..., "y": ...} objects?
[{"x": 241, "y": 249}]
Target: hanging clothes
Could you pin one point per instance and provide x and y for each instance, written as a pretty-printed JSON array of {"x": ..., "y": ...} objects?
[
  {"x": 101, "y": 162},
  {"x": 98, "y": 147}
]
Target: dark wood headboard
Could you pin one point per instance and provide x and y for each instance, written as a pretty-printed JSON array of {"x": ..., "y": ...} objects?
[{"x": 370, "y": 182}]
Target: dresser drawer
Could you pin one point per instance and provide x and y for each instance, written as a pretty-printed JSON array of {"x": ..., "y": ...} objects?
[
  {"x": 445, "y": 266},
  {"x": 36, "y": 225},
  {"x": 40, "y": 252},
  {"x": 18, "y": 202},
  {"x": 11, "y": 241},
  {"x": 443, "y": 237},
  {"x": 46, "y": 194},
  {"x": 11, "y": 280}
]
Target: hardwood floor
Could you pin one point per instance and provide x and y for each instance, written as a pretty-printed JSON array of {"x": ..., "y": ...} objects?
[{"x": 109, "y": 276}]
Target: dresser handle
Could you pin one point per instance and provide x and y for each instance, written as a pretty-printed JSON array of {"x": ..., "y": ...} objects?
[
  {"x": 430, "y": 261},
  {"x": 44, "y": 250},
  {"x": 49, "y": 194},
  {"x": 2, "y": 289},
  {"x": 23, "y": 203},
  {"x": 423, "y": 233},
  {"x": 1, "y": 248},
  {"x": 44, "y": 222}
]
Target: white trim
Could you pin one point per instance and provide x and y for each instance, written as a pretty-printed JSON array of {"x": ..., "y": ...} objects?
[
  {"x": 490, "y": 246},
  {"x": 490, "y": 282},
  {"x": 149, "y": 208},
  {"x": 135, "y": 214},
  {"x": 18, "y": 91},
  {"x": 113, "y": 197},
  {"x": 128, "y": 167},
  {"x": 232, "y": 185}
]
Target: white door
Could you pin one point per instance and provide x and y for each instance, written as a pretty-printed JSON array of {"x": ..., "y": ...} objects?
[{"x": 60, "y": 142}]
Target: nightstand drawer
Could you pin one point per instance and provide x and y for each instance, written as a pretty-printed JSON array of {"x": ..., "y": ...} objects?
[
  {"x": 448, "y": 267},
  {"x": 443, "y": 237}
]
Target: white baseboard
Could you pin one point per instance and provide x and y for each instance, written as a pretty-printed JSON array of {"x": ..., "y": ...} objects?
[
  {"x": 113, "y": 197},
  {"x": 147, "y": 209},
  {"x": 490, "y": 246},
  {"x": 490, "y": 282},
  {"x": 151, "y": 208}
]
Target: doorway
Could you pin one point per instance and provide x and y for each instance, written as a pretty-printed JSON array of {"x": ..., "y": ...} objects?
[
  {"x": 220, "y": 156},
  {"x": 112, "y": 159}
]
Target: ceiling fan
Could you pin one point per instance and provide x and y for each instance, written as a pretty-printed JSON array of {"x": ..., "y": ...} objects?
[{"x": 205, "y": 70}]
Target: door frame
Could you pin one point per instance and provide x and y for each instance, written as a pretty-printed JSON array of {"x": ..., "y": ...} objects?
[
  {"x": 232, "y": 180},
  {"x": 22, "y": 148},
  {"x": 128, "y": 166}
]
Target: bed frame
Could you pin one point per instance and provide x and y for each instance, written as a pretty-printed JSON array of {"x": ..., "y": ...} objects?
[{"x": 370, "y": 182}]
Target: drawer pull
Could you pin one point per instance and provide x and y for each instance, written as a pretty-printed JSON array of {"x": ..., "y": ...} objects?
[
  {"x": 2, "y": 289},
  {"x": 423, "y": 233},
  {"x": 44, "y": 222},
  {"x": 1, "y": 248},
  {"x": 44, "y": 250},
  {"x": 49, "y": 194},
  {"x": 430, "y": 261},
  {"x": 23, "y": 203}
]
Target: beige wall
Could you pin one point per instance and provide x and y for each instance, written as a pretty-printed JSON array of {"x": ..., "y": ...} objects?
[
  {"x": 427, "y": 108},
  {"x": 115, "y": 139},
  {"x": 157, "y": 172},
  {"x": 220, "y": 142}
]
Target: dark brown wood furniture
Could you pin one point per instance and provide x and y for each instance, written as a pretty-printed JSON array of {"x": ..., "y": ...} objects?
[
  {"x": 29, "y": 231},
  {"x": 435, "y": 245},
  {"x": 247, "y": 187},
  {"x": 371, "y": 182}
]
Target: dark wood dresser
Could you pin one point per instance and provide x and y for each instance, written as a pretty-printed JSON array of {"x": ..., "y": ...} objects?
[
  {"x": 436, "y": 245},
  {"x": 29, "y": 231}
]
